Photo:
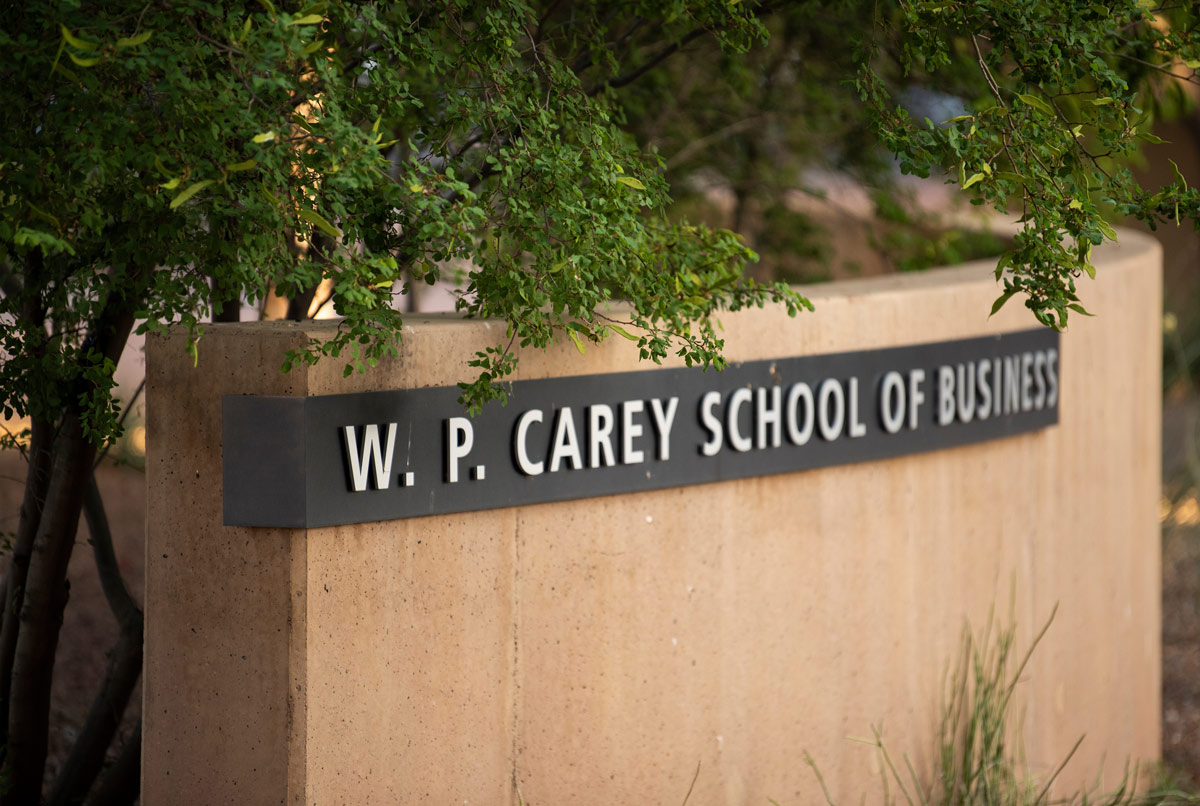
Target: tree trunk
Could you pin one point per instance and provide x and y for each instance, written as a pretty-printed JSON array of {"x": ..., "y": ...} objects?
[
  {"x": 46, "y": 587},
  {"x": 37, "y": 480},
  {"x": 41, "y": 615},
  {"x": 124, "y": 665}
]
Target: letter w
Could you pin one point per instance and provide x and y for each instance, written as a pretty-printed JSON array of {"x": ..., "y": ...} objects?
[{"x": 372, "y": 455}]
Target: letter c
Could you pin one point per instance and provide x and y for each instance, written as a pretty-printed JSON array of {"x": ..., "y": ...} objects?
[{"x": 520, "y": 449}]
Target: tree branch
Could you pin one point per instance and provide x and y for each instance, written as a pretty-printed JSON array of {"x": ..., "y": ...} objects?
[
  {"x": 121, "y": 785},
  {"x": 628, "y": 78}
]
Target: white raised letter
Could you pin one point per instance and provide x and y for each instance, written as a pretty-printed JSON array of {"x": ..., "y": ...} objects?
[
  {"x": 524, "y": 464},
  {"x": 797, "y": 435},
  {"x": 1026, "y": 381},
  {"x": 631, "y": 431},
  {"x": 891, "y": 418},
  {"x": 459, "y": 439},
  {"x": 712, "y": 423},
  {"x": 1039, "y": 379},
  {"x": 982, "y": 369},
  {"x": 1012, "y": 383},
  {"x": 769, "y": 416},
  {"x": 373, "y": 458},
  {"x": 1051, "y": 378},
  {"x": 857, "y": 428},
  {"x": 600, "y": 426},
  {"x": 565, "y": 442},
  {"x": 945, "y": 395},
  {"x": 663, "y": 420},
  {"x": 915, "y": 397},
  {"x": 737, "y": 441},
  {"x": 830, "y": 425},
  {"x": 966, "y": 392}
]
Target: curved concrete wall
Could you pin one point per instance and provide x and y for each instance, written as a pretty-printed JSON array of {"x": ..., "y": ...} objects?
[{"x": 601, "y": 650}]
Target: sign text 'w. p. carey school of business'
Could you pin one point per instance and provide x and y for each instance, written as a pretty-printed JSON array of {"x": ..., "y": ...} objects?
[{"x": 337, "y": 459}]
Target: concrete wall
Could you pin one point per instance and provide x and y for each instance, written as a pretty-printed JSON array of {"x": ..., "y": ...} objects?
[{"x": 601, "y": 650}]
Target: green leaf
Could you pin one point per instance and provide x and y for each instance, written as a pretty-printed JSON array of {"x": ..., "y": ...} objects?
[
  {"x": 134, "y": 41},
  {"x": 1153, "y": 139},
  {"x": 263, "y": 137},
  {"x": 1004, "y": 262},
  {"x": 1089, "y": 268},
  {"x": 578, "y": 341},
  {"x": 1077, "y": 308},
  {"x": 1107, "y": 229},
  {"x": 1037, "y": 103},
  {"x": 189, "y": 192},
  {"x": 67, "y": 73},
  {"x": 320, "y": 222},
  {"x": 631, "y": 182},
  {"x": 268, "y": 195},
  {"x": 76, "y": 42},
  {"x": 241, "y": 166},
  {"x": 999, "y": 303},
  {"x": 171, "y": 184},
  {"x": 1178, "y": 174},
  {"x": 620, "y": 331},
  {"x": 312, "y": 47},
  {"x": 82, "y": 62},
  {"x": 42, "y": 214},
  {"x": 976, "y": 177},
  {"x": 307, "y": 19},
  {"x": 1193, "y": 64},
  {"x": 1075, "y": 204}
]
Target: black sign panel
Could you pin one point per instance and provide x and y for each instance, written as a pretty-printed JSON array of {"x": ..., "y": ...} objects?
[{"x": 337, "y": 459}]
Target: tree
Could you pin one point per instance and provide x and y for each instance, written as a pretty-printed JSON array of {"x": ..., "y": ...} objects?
[{"x": 163, "y": 160}]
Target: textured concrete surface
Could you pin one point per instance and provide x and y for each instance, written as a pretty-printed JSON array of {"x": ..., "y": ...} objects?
[{"x": 604, "y": 650}]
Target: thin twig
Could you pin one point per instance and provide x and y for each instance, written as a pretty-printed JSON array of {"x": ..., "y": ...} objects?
[
  {"x": 121, "y": 422},
  {"x": 657, "y": 59},
  {"x": 987, "y": 73}
]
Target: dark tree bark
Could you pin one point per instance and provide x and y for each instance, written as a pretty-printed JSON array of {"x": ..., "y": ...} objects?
[
  {"x": 122, "y": 783},
  {"x": 229, "y": 310},
  {"x": 298, "y": 305},
  {"x": 124, "y": 665},
  {"x": 41, "y": 615},
  {"x": 37, "y": 480}
]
